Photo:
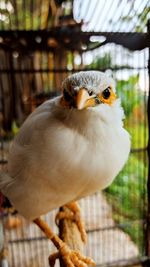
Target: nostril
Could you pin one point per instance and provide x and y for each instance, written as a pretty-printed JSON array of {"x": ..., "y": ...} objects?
[{"x": 97, "y": 100}]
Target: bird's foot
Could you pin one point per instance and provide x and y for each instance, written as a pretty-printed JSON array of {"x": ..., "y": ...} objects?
[
  {"x": 70, "y": 258},
  {"x": 73, "y": 213}
]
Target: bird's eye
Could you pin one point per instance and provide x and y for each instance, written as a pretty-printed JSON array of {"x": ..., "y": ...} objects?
[
  {"x": 106, "y": 93},
  {"x": 90, "y": 93},
  {"x": 67, "y": 96}
]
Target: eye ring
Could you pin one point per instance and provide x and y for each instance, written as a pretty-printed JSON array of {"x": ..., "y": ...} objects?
[{"x": 106, "y": 93}]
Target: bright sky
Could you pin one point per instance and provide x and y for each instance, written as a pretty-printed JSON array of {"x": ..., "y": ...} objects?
[{"x": 104, "y": 15}]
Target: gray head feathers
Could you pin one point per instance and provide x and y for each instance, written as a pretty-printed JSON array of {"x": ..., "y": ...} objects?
[{"x": 92, "y": 80}]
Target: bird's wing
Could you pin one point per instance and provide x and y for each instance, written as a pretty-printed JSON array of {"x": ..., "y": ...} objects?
[
  {"x": 32, "y": 128},
  {"x": 35, "y": 122}
]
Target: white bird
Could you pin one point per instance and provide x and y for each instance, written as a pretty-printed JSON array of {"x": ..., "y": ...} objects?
[{"x": 68, "y": 148}]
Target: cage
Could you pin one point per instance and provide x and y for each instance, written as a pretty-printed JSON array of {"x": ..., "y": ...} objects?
[{"x": 41, "y": 42}]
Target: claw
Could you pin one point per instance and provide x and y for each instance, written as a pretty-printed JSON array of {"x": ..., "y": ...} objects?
[
  {"x": 73, "y": 213},
  {"x": 71, "y": 258},
  {"x": 52, "y": 258}
]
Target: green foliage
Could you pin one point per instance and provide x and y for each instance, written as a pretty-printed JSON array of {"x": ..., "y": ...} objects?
[
  {"x": 24, "y": 14},
  {"x": 130, "y": 93},
  {"x": 139, "y": 134},
  {"x": 129, "y": 188},
  {"x": 127, "y": 196},
  {"x": 141, "y": 17},
  {"x": 101, "y": 62},
  {"x": 133, "y": 102}
]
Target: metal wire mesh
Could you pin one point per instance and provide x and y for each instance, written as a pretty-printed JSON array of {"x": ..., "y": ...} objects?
[
  {"x": 30, "y": 73},
  {"x": 107, "y": 243}
]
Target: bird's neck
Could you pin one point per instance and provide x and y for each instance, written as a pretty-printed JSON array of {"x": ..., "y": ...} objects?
[
  {"x": 85, "y": 122},
  {"x": 91, "y": 121}
]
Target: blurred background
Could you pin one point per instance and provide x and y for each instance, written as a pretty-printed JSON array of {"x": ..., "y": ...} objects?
[{"x": 42, "y": 42}]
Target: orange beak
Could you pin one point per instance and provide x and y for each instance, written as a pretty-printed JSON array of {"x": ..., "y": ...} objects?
[{"x": 83, "y": 100}]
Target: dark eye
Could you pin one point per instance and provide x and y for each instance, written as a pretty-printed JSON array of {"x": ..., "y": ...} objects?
[
  {"x": 67, "y": 96},
  {"x": 106, "y": 93},
  {"x": 90, "y": 93}
]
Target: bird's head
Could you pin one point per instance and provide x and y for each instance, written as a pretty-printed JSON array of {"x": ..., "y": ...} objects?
[{"x": 88, "y": 89}]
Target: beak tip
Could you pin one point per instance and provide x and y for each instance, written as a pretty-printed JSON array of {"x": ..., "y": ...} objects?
[
  {"x": 82, "y": 96},
  {"x": 79, "y": 107}
]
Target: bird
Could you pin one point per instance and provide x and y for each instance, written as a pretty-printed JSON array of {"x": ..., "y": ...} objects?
[{"x": 69, "y": 147}]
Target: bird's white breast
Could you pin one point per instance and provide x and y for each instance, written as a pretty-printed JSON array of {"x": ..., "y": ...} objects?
[{"x": 60, "y": 156}]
